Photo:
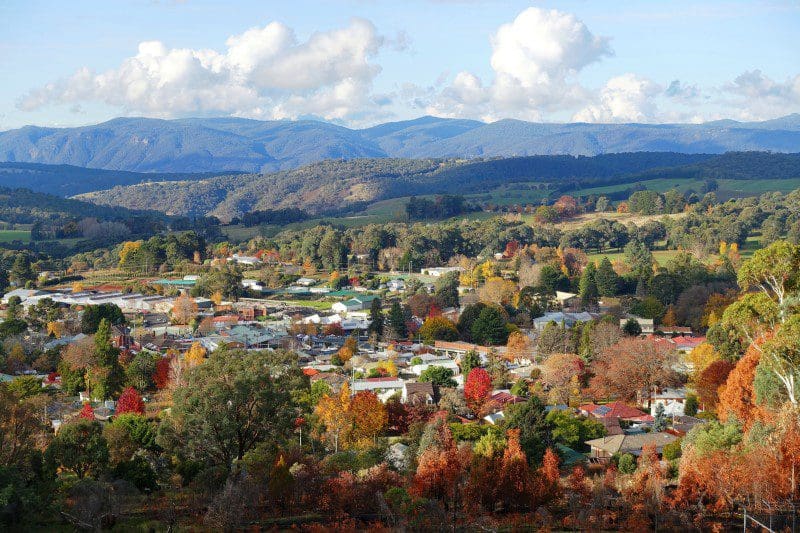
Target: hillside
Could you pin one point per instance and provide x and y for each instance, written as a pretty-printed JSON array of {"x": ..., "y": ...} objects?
[
  {"x": 231, "y": 144},
  {"x": 68, "y": 180},
  {"x": 334, "y": 185}
]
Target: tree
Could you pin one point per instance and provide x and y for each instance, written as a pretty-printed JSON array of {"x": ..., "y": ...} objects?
[
  {"x": 659, "y": 420},
  {"x": 633, "y": 366},
  {"x": 701, "y": 356},
  {"x": 376, "y": 318},
  {"x": 109, "y": 373},
  {"x": 161, "y": 372},
  {"x": 369, "y": 416},
  {"x": 86, "y": 413},
  {"x": 470, "y": 360},
  {"x": 130, "y": 402},
  {"x": 439, "y": 376},
  {"x": 497, "y": 291},
  {"x": 195, "y": 355},
  {"x": 467, "y": 318},
  {"x": 80, "y": 447},
  {"x": 587, "y": 287},
  {"x": 397, "y": 320},
  {"x": 691, "y": 405},
  {"x": 20, "y": 428},
  {"x": 477, "y": 389},
  {"x": 490, "y": 327},
  {"x": 94, "y": 314},
  {"x": 573, "y": 431},
  {"x": 709, "y": 381},
  {"x": 519, "y": 347},
  {"x": 536, "y": 432},
  {"x": 139, "y": 372},
  {"x": 606, "y": 279},
  {"x": 561, "y": 374},
  {"x": 184, "y": 310},
  {"x": 334, "y": 414},
  {"x": 224, "y": 282},
  {"x": 632, "y": 328},
  {"x": 438, "y": 329},
  {"x": 233, "y": 402},
  {"x": 22, "y": 270},
  {"x": 737, "y": 399},
  {"x": 446, "y": 290}
]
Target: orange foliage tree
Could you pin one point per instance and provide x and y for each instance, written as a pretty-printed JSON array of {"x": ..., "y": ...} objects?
[{"x": 737, "y": 398}]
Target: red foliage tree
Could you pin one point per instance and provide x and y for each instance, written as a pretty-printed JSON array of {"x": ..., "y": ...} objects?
[
  {"x": 517, "y": 485},
  {"x": 334, "y": 329},
  {"x": 477, "y": 389},
  {"x": 511, "y": 249},
  {"x": 130, "y": 401},
  {"x": 737, "y": 399},
  {"x": 161, "y": 373},
  {"x": 87, "y": 412},
  {"x": 550, "y": 476},
  {"x": 710, "y": 380}
]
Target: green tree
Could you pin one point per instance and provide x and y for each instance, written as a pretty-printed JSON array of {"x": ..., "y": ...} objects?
[
  {"x": 22, "y": 270},
  {"x": 226, "y": 281},
  {"x": 587, "y": 287},
  {"x": 397, "y": 320},
  {"x": 470, "y": 360},
  {"x": 437, "y": 328},
  {"x": 233, "y": 402},
  {"x": 446, "y": 290},
  {"x": 606, "y": 279},
  {"x": 111, "y": 375},
  {"x": 439, "y": 376},
  {"x": 376, "y": 317},
  {"x": 632, "y": 328},
  {"x": 467, "y": 318},
  {"x": 490, "y": 327},
  {"x": 572, "y": 430},
  {"x": 536, "y": 432},
  {"x": 93, "y": 314},
  {"x": 80, "y": 447},
  {"x": 691, "y": 405},
  {"x": 627, "y": 463}
]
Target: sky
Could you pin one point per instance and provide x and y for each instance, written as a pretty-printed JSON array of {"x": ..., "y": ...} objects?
[{"x": 363, "y": 62}]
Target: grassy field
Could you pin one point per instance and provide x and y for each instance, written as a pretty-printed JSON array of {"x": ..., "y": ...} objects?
[
  {"x": 9, "y": 235},
  {"x": 752, "y": 244}
]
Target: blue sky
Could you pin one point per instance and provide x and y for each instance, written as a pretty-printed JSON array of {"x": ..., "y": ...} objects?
[{"x": 361, "y": 62}]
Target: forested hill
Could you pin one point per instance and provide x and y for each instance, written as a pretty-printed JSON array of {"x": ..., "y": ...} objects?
[
  {"x": 233, "y": 144},
  {"x": 68, "y": 180},
  {"x": 331, "y": 185}
]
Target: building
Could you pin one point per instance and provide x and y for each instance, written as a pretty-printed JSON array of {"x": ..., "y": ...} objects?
[
  {"x": 396, "y": 285},
  {"x": 438, "y": 272},
  {"x": 606, "y": 447},
  {"x": 417, "y": 393},
  {"x": 562, "y": 318},
  {"x": 245, "y": 260},
  {"x": 359, "y": 303}
]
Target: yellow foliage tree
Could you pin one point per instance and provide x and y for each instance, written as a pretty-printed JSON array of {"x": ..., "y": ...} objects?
[
  {"x": 334, "y": 414},
  {"x": 129, "y": 248},
  {"x": 184, "y": 309},
  {"x": 702, "y": 356},
  {"x": 216, "y": 298},
  {"x": 55, "y": 328},
  {"x": 723, "y": 248},
  {"x": 77, "y": 287},
  {"x": 195, "y": 355},
  {"x": 518, "y": 347},
  {"x": 497, "y": 290},
  {"x": 669, "y": 319},
  {"x": 388, "y": 367}
]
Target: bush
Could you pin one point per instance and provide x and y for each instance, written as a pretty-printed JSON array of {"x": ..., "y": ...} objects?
[
  {"x": 672, "y": 450},
  {"x": 468, "y": 432},
  {"x": 627, "y": 464},
  {"x": 690, "y": 408},
  {"x": 138, "y": 472}
]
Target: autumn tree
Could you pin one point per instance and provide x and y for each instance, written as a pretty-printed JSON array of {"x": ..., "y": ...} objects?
[
  {"x": 130, "y": 401},
  {"x": 562, "y": 374},
  {"x": 438, "y": 329},
  {"x": 161, "y": 373},
  {"x": 701, "y": 356},
  {"x": 518, "y": 347},
  {"x": 497, "y": 291},
  {"x": 369, "y": 416},
  {"x": 737, "y": 399},
  {"x": 710, "y": 380},
  {"x": 195, "y": 355},
  {"x": 634, "y": 366},
  {"x": 333, "y": 412},
  {"x": 184, "y": 310},
  {"x": 477, "y": 389}
]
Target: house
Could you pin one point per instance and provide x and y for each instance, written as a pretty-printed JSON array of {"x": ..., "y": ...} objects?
[
  {"x": 495, "y": 418},
  {"x": 417, "y": 393},
  {"x": 502, "y": 399},
  {"x": 22, "y": 294},
  {"x": 359, "y": 303},
  {"x": 245, "y": 260},
  {"x": 611, "y": 414},
  {"x": 566, "y": 319},
  {"x": 606, "y": 447},
  {"x": 253, "y": 285},
  {"x": 396, "y": 285},
  {"x": 567, "y": 300},
  {"x": 384, "y": 388},
  {"x": 121, "y": 336},
  {"x": 647, "y": 324},
  {"x": 668, "y": 396},
  {"x": 437, "y": 272},
  {"x": 445, "y": 363},
  {"x": 305, "y": 282}
]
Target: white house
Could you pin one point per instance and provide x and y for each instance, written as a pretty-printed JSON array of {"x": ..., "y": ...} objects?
[
  {"x": 245, "y": 260},
  {"x": 437, "y": 272},
  {"x": 396, "y": 285}
]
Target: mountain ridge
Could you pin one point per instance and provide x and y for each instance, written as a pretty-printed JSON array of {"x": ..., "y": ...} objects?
[{"x": 227, "y": 144}]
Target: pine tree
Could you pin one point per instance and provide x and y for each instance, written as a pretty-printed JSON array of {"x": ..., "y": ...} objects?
[
  {"x": 111, "y": 375},
  {"x": 606, "y": 279},
  {"x": 470, "y": 360},
  {"x": 587, "y": 286},
  {"x": 376, "y": 317},
  {"x": 397, "y": 320}
]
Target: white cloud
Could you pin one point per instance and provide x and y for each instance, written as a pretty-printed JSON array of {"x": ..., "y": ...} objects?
[
  {"x": 758, "y": 97},
  {"x": 625, "y": 98},
  {"x": 264, "y": 72},
  {"x": 535, "y": 59}
]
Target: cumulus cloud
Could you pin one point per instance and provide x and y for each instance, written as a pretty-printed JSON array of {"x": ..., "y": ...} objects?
[
  {"x": 760, "y": 97},
  {"x": 535, "y": 59},
  {"x": 626, "y": 98},
  {"x": 264, "y": 72}
]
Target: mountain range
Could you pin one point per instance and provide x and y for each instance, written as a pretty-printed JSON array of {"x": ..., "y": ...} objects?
[{"x": 224, "y": 145}]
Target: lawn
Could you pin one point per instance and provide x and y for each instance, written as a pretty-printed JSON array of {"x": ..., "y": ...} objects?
[{"x": 9, "y": 235}]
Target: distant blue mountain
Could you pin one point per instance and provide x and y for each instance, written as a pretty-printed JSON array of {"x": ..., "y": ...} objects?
[{"x": 231, "y": 144}]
